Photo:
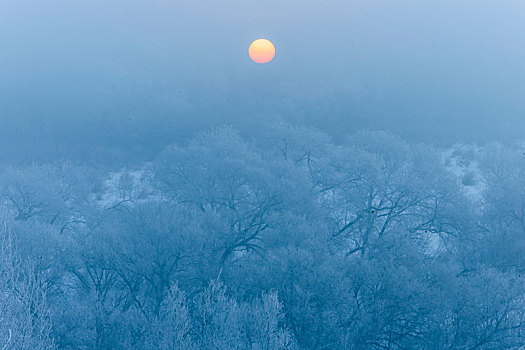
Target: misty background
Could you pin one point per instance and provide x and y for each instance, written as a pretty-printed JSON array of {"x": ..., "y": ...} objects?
[{"x": 124, "y": 78}]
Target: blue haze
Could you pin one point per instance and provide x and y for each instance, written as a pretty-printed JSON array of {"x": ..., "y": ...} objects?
[
  {"x": 441, "y": 70},
  {"x": 364, "y": 190}
]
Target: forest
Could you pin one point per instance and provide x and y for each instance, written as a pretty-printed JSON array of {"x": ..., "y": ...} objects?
[{"x": 282, "y": 239}]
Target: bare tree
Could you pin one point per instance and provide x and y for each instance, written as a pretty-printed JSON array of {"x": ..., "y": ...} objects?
[{"x": 24, "y": 315}]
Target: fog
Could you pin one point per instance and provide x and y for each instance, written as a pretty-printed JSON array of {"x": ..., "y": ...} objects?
[
  {"x": 364, "y": 190},
  {"x": 428, "y": 70}
]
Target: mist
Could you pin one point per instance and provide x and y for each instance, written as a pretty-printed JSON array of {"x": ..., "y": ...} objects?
[
  {"x": 432, "y": 71},
  {"x": 363, "y": 190}
]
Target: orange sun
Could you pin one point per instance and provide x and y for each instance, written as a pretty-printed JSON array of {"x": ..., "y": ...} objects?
[{"x": 261, "y": 51}]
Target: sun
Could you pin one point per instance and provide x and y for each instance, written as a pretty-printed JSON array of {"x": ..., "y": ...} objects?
[{"x": 261, "y": 51}]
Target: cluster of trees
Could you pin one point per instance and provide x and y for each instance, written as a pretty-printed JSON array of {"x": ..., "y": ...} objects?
[{"x": 284, "y": 241}]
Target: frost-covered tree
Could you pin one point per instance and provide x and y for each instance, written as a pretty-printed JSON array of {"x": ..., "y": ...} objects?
[
  {"x": 309, "y": 243},
  {"x": 172, "y": 327},
  {"x": 24, "y": 315}
]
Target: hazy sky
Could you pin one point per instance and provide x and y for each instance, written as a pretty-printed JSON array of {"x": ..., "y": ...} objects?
[{"x": 415, "y": 67}]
